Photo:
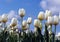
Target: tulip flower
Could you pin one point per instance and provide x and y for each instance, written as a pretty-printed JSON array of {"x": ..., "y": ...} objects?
[
  {"x": 29, "y": 20},
  {"x": 49, "y": 20},
  {"x": 26, "y": 27},
  {"x": 55, "y": 20},
  {"x": 13, "y": 22},
  {"x": 36, "y": 23},
  {"x": 24, "y": 23},
  {"x": 41, "y": 15},
  {"x": 4, "y": 18},
  {"x": 21, "y": 12},
  {"x": 47, "y": 13}
]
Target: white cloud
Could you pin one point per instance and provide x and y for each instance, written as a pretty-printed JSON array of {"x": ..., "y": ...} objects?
[
  {"x": 53, "y": 5},
  {"x": 12, "y": 14}
]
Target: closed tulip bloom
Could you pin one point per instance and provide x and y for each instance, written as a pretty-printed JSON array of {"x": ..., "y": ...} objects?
[
  {"x": 24, "y": 23},
  {"x": 29, "y": 20},
  {"x": 47, "y": 14},
  {"x": 25, "y": 27},
  {"x": 21, "y": 12},
  {"x": 41, "y": 15},
  {"x": 4, "y": 18},
  {"x": 36, "y": 23},
  {"x": 55, "y": 20},
  {"x": 14, "y": 22},
  {"x": 50, "y": 20}
]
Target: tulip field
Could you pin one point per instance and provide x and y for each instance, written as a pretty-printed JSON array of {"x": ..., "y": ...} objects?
[{"x": 11, "y": 33}]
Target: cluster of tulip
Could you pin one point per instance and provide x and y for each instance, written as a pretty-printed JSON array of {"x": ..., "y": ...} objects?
[{"x": 12, "y": 34}]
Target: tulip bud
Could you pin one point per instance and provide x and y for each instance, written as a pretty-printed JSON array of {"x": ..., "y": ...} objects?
[
  {"x": 13, "y": 22},
  {"x": 41, "y": 15},
  {"x": 36, "y": 23},
  {"x": 24, "y": 23},
  {"x": 21, "y": 12},
  {"x": 55, "y": 20},
  {"x": 29, "y": 20},
  {"x": 47, "y": 14},
  {"x": 4, "y": 18},
  {"x": 49, "y": 20}
]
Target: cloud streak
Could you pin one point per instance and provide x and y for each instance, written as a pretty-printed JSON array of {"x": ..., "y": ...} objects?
[{"x": 53, "y": 5}]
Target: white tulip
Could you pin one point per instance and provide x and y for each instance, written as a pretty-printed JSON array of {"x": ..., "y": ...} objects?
[
  {"x": 24, "y": 23},
  {"x": 4, "y": 18},
  {"x": 36, "y": 23},
  {"x": 55, "y": 20},
  {"x": 50, "y": 20},
  {"x": 41, "y": 15},
  {"x": 47, "y": 13},
  {"x": 21, "y": 12},
  {"x": 14, "y": 22},
  {"x": 29, "y": 20}
]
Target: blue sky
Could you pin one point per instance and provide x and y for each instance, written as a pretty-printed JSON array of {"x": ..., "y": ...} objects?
[{"x": 32, "y": 7}]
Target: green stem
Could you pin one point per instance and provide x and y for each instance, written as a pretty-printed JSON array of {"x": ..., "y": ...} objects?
[{"x": 55, "y": 34}]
